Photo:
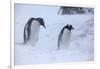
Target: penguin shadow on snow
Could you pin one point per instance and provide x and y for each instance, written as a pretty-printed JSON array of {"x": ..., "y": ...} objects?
[
  {"x": 65, "y": 36},
  {"x": 31, "y": 31}
]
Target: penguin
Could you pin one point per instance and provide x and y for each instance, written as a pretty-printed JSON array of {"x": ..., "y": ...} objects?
[
  {"x": 31, "y": 30},
  {"x": 64, "y": 36}
]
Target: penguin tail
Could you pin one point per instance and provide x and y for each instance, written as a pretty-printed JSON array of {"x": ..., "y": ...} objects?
[
  {"x": 58, "y": 47},
  {"x": 20, "y": 43}
]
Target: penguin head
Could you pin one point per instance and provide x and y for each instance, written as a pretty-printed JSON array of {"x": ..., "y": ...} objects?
[
  {"x": 30, "y": 21},
  {"x": 69, "y": 27},
  {"x": 41, "y": 21}
]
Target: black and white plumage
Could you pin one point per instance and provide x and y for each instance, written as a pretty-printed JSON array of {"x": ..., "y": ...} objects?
[
  {"x": 31, "y": 30},
  {"x": 64, "y": 36}
]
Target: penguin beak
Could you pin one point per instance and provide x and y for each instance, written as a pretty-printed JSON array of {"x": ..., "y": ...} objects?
[
  {"x": 72, "y": 28},
  {"x": 44, "y": 26}
]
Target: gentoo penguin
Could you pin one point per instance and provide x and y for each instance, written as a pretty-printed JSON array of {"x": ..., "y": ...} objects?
[
  {"x": 31, "y": 30},
  {"x": 64, "y": 36}
]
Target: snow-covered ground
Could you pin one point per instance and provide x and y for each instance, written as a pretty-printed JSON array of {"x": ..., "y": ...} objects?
[{"x": 81, "y": 47}]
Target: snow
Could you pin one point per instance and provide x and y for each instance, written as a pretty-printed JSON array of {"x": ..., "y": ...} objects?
[{"x": 81, "y": 47}]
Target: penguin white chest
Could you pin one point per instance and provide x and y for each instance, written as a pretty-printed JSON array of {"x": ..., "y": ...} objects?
[
  {"x": 34, "y": 34},
  {"x": 65, "y": 40}
]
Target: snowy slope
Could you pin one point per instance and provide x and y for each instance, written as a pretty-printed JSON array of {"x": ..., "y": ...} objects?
[{"x": 81, "y": 47}]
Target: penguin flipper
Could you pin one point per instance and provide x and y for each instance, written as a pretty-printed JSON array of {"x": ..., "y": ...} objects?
[
  {"x": 59, "y": 39},
  {"x": 25, "y": 33}
]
